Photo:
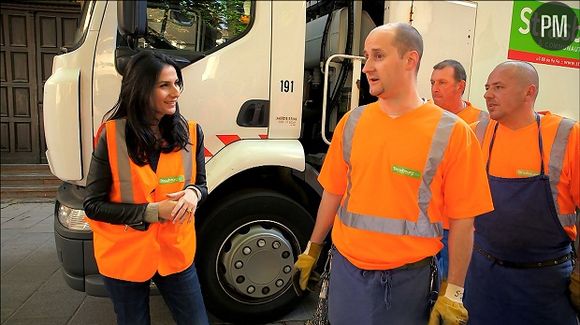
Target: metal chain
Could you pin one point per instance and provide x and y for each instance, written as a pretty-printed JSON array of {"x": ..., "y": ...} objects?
[{"x": 320, "y": 316}]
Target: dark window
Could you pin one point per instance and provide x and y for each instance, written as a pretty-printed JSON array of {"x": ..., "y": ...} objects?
[{"x": 193, "y": 25}]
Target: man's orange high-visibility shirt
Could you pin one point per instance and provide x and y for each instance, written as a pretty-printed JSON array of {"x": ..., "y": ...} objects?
[
  {"x": 470, "y": 114},
  {"x": 387, "y": 161}
]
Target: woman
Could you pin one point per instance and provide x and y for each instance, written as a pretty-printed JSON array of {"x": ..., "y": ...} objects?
[{"x": 147, "y": 177}]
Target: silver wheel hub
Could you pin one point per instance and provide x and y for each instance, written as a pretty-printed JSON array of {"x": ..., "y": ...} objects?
[{"x": 259, "y": 262}]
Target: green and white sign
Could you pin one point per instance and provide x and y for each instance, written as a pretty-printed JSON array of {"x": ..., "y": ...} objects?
[
  {"x": 545, "y": 33},
  {"x": 405, "y": 171},
  {"x": 171, "y": 179}
]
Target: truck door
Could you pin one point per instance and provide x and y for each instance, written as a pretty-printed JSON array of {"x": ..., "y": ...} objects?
[{"x": 224, "y": 51}]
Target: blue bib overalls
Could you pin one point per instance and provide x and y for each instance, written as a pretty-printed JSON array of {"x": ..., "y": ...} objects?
[{"x": 522, "y": 258}]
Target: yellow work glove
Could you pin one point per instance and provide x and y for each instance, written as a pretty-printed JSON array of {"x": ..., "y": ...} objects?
[
  {"x": 448, "y": 309},
  {"x": 304, "y": 265},
  {"x": 575, "y": 288}
]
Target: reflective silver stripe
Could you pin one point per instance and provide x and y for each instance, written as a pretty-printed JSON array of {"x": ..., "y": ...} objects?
[
  {"x": 187, "y": 156},
  {"x": 347, "y": 136},
  {"x": 567, "y": 219},
  {"x": 555, "y": 166},
  {"x": 481, "y": 127},
  {"x": 387, "y": 225},
  {"x": 438, "y": 146},
  {"x": 123, "y": 165},
  {"x": 483, "y": 115},
  {"x": 423, "y": 227}
]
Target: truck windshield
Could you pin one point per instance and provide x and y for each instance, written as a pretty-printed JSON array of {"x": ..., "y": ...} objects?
[
  {"x": 198, "y": 26},
  {"x": 86, "y": 13}
]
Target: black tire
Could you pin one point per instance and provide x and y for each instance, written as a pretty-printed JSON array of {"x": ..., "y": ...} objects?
[{"x": 233, "y": 228}]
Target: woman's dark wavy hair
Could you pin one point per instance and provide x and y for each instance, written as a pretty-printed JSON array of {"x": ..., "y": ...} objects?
[{"x": 134, "y": 104}]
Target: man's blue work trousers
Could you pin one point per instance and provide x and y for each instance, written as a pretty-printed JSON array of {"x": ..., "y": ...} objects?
[
  {"x": 181, "y": 292},
  {"x": 398, "y": 296}
]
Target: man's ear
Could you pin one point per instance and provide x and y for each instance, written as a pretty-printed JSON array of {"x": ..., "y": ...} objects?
[
  {"x": 461, "y": 86},
  {"x": 411, "y": 60},
  {"x": 532, "y": 91}
]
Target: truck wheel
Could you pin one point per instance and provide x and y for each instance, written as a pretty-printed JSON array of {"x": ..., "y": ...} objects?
[{"x": 247, "y": 249}]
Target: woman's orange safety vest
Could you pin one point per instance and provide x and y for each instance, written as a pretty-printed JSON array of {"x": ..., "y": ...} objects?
[{"x": 127, "y": 254}]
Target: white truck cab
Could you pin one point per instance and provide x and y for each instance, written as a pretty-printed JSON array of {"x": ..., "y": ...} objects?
[{"x": 254, "y": 80}]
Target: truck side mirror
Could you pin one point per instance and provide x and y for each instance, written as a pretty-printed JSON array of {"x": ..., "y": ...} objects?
[{"x": 132, "y": 19}]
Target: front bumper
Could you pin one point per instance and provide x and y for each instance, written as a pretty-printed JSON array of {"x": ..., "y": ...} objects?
[
  {"x": 78, "y": 263},
  {"x": 75, "y": 248}
]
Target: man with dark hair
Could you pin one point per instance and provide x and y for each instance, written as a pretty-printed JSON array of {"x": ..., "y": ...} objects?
[
  {"x": 522, "y": 258},
  {"x": 448, "y": 81},
  {"x": 394, "y": 170},
  {"x": 447, "y": 87}
]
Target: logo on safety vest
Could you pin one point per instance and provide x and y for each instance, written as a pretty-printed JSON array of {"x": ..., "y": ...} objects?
[
  {"x": 171, "y": 179},
  {"x": 405, "y": 171},
  {"x": 527, "y": 173}
]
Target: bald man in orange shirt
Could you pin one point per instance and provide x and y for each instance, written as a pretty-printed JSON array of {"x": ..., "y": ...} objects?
[
  {"x": 394, "y": 171},
  {"x": 522, "y": 259}
]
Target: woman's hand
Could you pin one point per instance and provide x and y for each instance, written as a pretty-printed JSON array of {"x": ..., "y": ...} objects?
[
  {"x": 186, "y": 204},
  {"x": 165, "y": 208}
]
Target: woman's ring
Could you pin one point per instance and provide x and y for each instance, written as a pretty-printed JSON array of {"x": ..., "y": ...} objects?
[{"x": 190, "y": 210}]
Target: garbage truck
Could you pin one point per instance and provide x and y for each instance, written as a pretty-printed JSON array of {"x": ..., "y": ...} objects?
[{"x": 268, "y": 82}]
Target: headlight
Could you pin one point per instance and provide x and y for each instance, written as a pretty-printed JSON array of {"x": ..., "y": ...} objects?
[{"x": 73, "y": 219}]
